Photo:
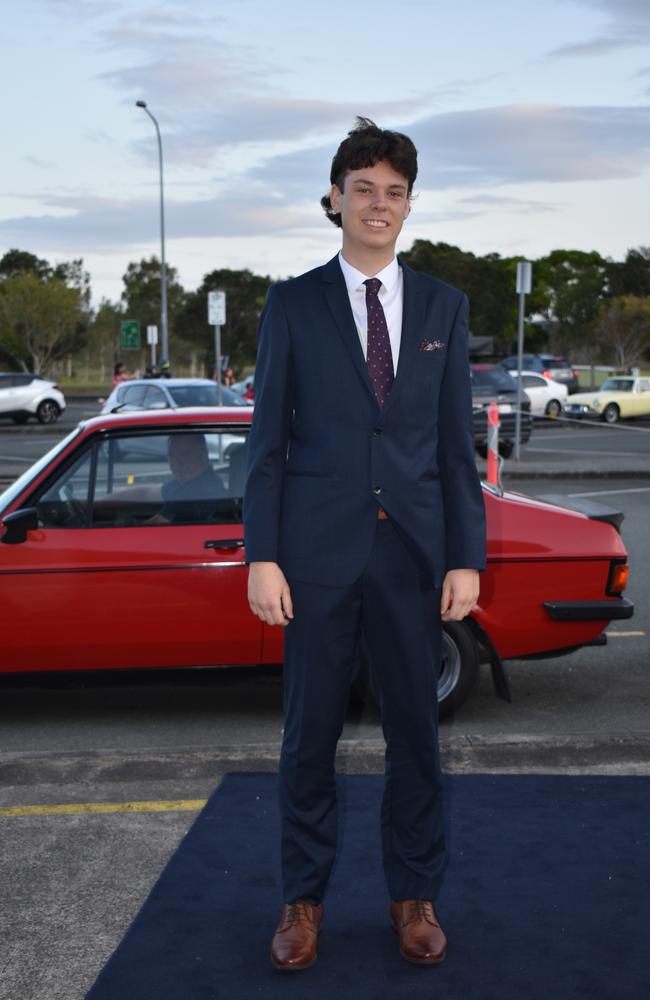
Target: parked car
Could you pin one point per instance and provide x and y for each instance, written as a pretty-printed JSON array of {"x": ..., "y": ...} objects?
[
  {"x": 545, "y": 394},
  {"x": 168, "y": 393},
  {"x": 550, "y": 365},
  {"x": 491, "y": 382},
  {"x": 97, "y": 541},
  {"x": 618, "y": 398},
  {"x": 23, "y": 396}
]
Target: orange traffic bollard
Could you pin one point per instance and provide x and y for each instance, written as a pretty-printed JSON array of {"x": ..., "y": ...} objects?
[{"x": 493, "y": 444}]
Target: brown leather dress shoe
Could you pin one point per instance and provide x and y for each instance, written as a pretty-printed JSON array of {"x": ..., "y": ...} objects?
[
  {"x": 294, "y": 942},
  {"x": 421, "y": 938}
]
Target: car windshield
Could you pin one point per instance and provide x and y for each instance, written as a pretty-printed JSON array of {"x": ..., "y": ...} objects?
[
  {"x": 492, "y": 378},
  {"x": 552, "y": 363},
  {"x": 617, "y": 385},
  {"x": 19, "y": 484},
  {"x": 202, "y": 395}
]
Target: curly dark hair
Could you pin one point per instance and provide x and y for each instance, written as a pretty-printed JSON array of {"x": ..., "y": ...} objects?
[{"x": 367, "y": 144}]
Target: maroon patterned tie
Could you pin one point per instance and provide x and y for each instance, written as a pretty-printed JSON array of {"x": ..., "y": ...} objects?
[{"x": 379, "y": 357}]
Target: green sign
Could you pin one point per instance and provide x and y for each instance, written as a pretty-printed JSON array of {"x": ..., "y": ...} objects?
[{"x": 130, "y": 335}]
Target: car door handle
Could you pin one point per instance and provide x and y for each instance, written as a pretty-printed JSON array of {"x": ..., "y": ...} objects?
[{"x": 224, "y": 543}]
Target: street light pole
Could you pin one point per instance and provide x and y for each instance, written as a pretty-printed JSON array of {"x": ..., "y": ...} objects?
[{"x": 164, "y": 334}]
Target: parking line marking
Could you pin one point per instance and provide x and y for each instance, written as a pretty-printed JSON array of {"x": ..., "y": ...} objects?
[
  {"x": 584, "y": 451},
  {"x": 72, "y": 808},
  {"x": 608, "y": 493},
  {"x": 625, "y": 635}
]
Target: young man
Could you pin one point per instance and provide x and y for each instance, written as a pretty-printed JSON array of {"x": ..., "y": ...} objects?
[{"x": 363, "y": 516}]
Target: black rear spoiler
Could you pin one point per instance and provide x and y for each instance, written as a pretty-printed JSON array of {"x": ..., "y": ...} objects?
[{"x": 594, "y": 511}]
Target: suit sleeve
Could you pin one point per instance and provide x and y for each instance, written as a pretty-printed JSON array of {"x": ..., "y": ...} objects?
[
  {"x": 461, "y": 487},
  {"x": 269, "y": 435}
]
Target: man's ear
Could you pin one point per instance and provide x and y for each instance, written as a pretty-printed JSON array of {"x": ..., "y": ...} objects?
[{"x": 335, "y": 198}]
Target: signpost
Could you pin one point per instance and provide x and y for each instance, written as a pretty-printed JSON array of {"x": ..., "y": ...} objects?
[
  {"x": 217, "y": 319},
  {"x": 130, "y": 335},
  {"x": 152, "y": 340},
  {"x": 523, "y": 288}
]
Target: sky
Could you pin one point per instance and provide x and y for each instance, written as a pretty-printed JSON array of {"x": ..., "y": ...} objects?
[{"x": 531, "y": 119}]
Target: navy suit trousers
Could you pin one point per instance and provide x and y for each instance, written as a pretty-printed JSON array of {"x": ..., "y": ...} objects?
[{"x": 395, "y": 610}]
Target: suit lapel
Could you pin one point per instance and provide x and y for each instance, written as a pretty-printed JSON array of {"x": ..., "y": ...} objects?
[
  {"x": 336, "y": 295},
  {"x": 412, "y": 325}
]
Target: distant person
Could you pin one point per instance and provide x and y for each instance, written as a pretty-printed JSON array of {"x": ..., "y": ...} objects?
[
  {"x": 249, "y": 392},
  {"x": 228, "y": 377},
  {"x": 190, "y": 495},
  {"x": 165, "y": 369},
  {"x": 120, "y": 374}
]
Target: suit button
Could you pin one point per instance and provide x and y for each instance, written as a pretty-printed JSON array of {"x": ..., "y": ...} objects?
[
  {"x": 377, "y": 431},
  {"x": 376, "y": 489}
]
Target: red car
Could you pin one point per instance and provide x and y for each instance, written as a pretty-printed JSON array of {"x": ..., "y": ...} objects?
[{"x": 136, "y": 518}]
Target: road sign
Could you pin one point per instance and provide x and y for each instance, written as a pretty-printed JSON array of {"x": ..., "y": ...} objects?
[
  {"x": 524, "y": 277},
  {"x": 216, "y": 308},
  {"x": 152, "y": 334},
  {"x": 130, "y": 335}
]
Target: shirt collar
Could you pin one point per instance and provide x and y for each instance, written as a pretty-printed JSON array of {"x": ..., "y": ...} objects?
[{"x": 354, "y": 279}]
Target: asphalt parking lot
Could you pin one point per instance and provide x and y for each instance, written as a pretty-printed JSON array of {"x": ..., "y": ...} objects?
[{"x": 101, "y": 775}]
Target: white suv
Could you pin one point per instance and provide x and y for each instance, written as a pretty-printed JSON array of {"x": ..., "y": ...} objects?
[{"x": 23, "y": 396}]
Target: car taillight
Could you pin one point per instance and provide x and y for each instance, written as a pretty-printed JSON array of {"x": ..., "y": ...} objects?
[
  {"x": 57, "y": 387},
  {"x": 617, "y": 579},
  {"x": 575, "y": 374},
  {"x": 547, "y": 374}
]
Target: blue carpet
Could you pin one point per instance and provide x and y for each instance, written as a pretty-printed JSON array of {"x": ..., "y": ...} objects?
[{"x": 545, "y": 898}]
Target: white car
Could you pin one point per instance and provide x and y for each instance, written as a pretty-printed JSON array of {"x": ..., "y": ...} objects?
[
  {"x": 167, "y": 393},
  {"x": 547, "y": 396},
  {"x": 23, "y": 396}
]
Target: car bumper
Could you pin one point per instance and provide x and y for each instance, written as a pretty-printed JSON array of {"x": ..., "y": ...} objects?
[
  {"x": 588, "y": 611},
  {"x": 577, "y": 411}
]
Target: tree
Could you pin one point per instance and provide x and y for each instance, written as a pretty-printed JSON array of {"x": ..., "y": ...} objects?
[
  {"x": 632, "y": 276},
  {"x": 20, "y": 262},
  {"x": 245, "y": 295},
  {"x": 624, "y": 330},
  {"x": 577, "y": 285},
  {"x": 141, "y": 295},
  {"x": 40, "y": 320}
]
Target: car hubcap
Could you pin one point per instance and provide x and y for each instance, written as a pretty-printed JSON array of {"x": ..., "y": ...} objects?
[
  {"x": 48, "y": 413},
  {"x": 450, "y": 667}
]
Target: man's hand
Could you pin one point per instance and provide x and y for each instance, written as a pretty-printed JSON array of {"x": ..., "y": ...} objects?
[
  {"x": 460, "y": 591},
  {"x": 268, "y": 593}
]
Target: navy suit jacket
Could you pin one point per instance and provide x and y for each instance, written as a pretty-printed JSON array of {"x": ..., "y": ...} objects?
[{"x": 323, "y": 454}]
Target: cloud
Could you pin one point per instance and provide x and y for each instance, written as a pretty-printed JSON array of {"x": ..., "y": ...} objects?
[
  {"x": 629, "y": 27},
  {"x": 510, "y": 144},
  {"x": 478, "y": 149}
]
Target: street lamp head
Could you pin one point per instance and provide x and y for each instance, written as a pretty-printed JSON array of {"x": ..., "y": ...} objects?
[{"x": 140, "y": 104}]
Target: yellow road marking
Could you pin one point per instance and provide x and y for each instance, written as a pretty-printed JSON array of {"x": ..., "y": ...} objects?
[
  {"x": 172, "y": 805},
  {"x": 625, "y": 635}
]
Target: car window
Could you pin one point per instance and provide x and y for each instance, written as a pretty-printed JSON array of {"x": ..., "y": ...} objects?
[
  {"x": 133, "y": 395},
  {"x": 154, "y": 398},
  {"x": 531, "y": 381},
  {"x": 644, "y": 384},
  {"x": 64, "y": 504},
  {"x": 492, "y": 379},
  {"x": 553, "y": 363},
  {"x": 24, "y": 379},
  {"x": 131, "y": 480},
  {"x": 617, "y": 385},
  {"x": 7, "y": 381},
  {"x": 194, "y": 395}
]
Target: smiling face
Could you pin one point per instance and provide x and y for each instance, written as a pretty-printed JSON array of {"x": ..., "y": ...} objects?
[{"x": 373, "y": 205}]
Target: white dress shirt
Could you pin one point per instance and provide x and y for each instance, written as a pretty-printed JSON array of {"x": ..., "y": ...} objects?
[{"x": 391, "y": 296}]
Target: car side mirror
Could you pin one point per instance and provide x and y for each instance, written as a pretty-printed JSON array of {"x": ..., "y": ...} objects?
[{"x": 18, "y": 524}]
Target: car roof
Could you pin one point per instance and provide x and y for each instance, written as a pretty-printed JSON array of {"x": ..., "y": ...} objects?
[
  {"x": 166, "y": 382},
  {"x": 182, "y": 415}
]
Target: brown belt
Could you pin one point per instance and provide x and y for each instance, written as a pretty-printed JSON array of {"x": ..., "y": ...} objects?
[{"x": 381, "y": 514}]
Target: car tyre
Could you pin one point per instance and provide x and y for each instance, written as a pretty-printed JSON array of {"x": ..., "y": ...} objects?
[
  {"x": 481, "y": 449},
  {"x": 20, "y": 418},
  {"x": 459, "y": 669},
  {"x": 47, "y": 412},
  {"x": 553, "y": 408},
  {"x": 611, "y": 414},
  {"x": 506, "y": 448}
]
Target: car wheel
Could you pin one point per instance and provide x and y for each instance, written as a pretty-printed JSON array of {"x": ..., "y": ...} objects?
[
  {"x": 553, "y": 408},
  {"x": 47, "y": 412},
  {"x": 611, "y": 414},
  {"x": 506, "y": 448},
  {"x": 459, "y": 668},
  {"x": 20, "y": 418}
]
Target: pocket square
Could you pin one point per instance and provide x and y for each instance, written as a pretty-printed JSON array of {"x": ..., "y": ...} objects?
[{"x": 431, "y": 345}]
